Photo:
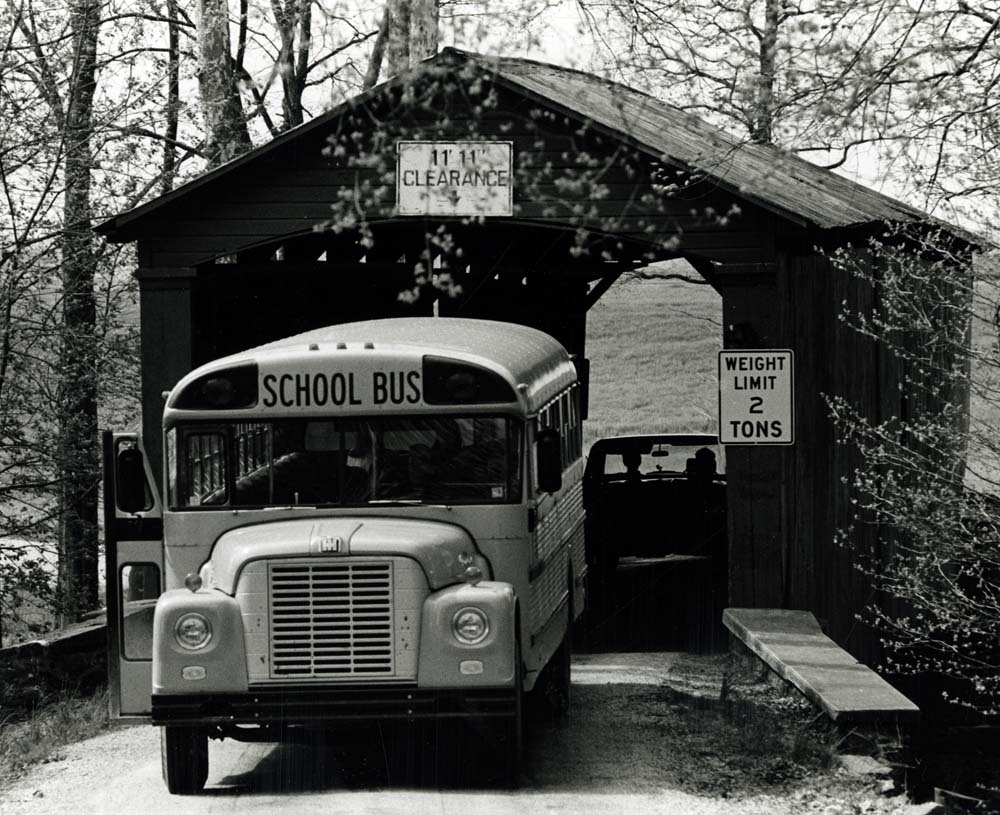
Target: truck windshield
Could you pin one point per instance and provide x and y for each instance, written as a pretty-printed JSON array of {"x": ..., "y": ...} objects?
[{"x": 454, "y": 459}]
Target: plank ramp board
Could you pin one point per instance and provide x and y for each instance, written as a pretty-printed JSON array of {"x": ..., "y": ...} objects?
[{"x": 792, "y": 644}]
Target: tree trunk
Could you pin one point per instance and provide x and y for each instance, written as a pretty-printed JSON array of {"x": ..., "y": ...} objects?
[
  {"x": 78, "y": 458},
  {"x": 294, "y": 23},
  {"x": 423, "y": 30},
  {"x": 398, "y": 49},
  {"x": 412, "y": 34},
  {"x": 762, "y": 130},
  {"x": 225, "y": 124},
  {"x": 378, "y": 52},
  {"x": 173, "y": 101},
  {"x": 301, "y": 72}
]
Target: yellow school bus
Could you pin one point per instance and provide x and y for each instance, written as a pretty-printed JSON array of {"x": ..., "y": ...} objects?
[{"x": 368, "y": 522}]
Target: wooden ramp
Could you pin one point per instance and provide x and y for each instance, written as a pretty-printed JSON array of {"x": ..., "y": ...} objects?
[{"x": 793, "y": 645}]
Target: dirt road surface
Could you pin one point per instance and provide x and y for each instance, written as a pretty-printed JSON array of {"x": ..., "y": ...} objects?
[{"x": 646, "y": 735}]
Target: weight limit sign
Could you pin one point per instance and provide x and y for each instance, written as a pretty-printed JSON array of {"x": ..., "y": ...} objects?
[{"x": 755, "y": 397}]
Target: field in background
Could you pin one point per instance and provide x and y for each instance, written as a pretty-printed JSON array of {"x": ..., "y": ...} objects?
[{"x": 653, "y": 348}]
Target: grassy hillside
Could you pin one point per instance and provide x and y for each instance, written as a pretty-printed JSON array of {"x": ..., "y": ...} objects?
[{"x": 653, "y": 349}]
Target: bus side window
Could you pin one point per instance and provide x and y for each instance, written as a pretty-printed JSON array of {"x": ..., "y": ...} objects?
[
  {"x": 563, "y": 416},
  {"x": 140, "y": 586},
  {"x": 252, "y": 482},
  {"x": 540, "y": 424},
  {"x": 548, "y": 419},
  {"x": 205, "y": 482},
  {"x": 565, "y": 437}
]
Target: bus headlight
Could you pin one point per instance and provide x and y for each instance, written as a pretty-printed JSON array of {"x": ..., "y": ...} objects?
[
  {"x": 192, "y": 631},
  {"x": 470, "y": 625}
]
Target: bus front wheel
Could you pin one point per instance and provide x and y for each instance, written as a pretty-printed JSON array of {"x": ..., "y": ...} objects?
[
  {"x": 512, "y": 730},
  {"x": 184, "y": 757}
]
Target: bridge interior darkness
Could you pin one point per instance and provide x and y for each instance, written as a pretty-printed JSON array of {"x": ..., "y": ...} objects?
[{"x": 545, "y": 276}]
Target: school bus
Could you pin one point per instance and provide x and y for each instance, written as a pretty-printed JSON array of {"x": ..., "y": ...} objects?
[{"x": 369, "y": 522}]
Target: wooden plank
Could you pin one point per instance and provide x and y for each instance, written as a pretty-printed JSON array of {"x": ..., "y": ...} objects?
[
  {"x": 537, "y": 168},
  {"x": 649, "y": 226},
  {"x": 293, "y": 215},
  {"x": 269, "y": 202},
  {"x": 555, "y": 158},
  {"x": 176, "y": 254},
  {"x": 725, "y": 246},
  {"x": 793, "y": 646}
]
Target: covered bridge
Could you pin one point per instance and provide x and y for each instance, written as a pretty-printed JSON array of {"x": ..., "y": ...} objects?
[{"x": 602, "y": 179}]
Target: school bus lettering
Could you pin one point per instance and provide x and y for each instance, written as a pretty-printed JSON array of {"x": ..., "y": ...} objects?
[
  {"x": 396, "y": 387},
  {"x": 309, "y": 390}
]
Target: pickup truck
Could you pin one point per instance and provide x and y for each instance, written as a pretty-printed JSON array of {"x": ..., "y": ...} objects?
[{"x": 656, "y": 522}]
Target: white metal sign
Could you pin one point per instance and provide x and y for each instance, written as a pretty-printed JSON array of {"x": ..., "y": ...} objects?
[
  {"x": 454, "y": 177},
  {"x": 312, "y": 386},
  {"x": 755, "y": 397}
]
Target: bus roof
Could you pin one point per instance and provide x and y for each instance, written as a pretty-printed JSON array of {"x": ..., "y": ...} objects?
[{"x": 519, "y": 354}]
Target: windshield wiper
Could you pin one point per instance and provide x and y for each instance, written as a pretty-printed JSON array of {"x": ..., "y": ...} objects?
[{"x": 404, "y": 501}]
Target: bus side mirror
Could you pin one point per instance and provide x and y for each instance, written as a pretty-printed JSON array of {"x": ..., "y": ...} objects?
[
  {"x": 549, "y": 451},
  {"x": 583, "y": 377},
  {"x": 130, "y": 481}
]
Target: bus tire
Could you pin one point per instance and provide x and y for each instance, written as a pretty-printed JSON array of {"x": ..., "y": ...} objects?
[
  {"x": 549, "y": 700},
  {"x": 184, "y": 758},
  {"x": 512, "y": 729},
  {"x": 563, "y": 657},
  {"x": 557, "y": 682}
]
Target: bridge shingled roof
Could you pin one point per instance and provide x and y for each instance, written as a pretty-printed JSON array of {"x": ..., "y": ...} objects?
[{"x": 766, "y": 175}]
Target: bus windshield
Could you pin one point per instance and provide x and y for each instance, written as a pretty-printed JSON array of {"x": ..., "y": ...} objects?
[{"x": 356, "y": 461}]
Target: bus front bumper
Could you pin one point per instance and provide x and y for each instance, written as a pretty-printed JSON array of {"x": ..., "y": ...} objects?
[{"x": 310, "y": 705}]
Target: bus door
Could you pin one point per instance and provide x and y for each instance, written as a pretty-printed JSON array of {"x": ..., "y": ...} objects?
[{"x": 133, "y": 536}]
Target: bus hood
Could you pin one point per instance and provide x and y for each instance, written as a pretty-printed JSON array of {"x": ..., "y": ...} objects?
[{"x": 444, "y": 551}]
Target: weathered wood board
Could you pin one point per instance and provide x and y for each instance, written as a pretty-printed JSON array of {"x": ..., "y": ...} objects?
[{"x": 792, "y": 644}]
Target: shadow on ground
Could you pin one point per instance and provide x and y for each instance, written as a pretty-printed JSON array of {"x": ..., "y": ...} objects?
[
  {"x": 621, "y": 738},
  {"x": 672, "y": 603}
]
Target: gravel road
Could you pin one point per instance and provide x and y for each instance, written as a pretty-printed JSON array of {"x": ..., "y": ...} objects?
[{"x": 646, "y": 735}]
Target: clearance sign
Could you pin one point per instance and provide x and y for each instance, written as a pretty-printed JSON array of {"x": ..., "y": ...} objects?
[
  {"x": 454, "y": 178},
  {"x": 755, "y": 397}
]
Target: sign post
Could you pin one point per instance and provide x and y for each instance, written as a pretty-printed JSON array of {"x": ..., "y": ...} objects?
[
  {"x": 756, "y": 397},
  {"x": 455, "y": 178}
]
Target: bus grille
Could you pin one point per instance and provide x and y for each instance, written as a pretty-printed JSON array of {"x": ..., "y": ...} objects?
[{"x": 331, "y": 619}]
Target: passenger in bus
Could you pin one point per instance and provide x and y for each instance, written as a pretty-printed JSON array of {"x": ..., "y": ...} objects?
[{"x": 358, "y": 469}]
